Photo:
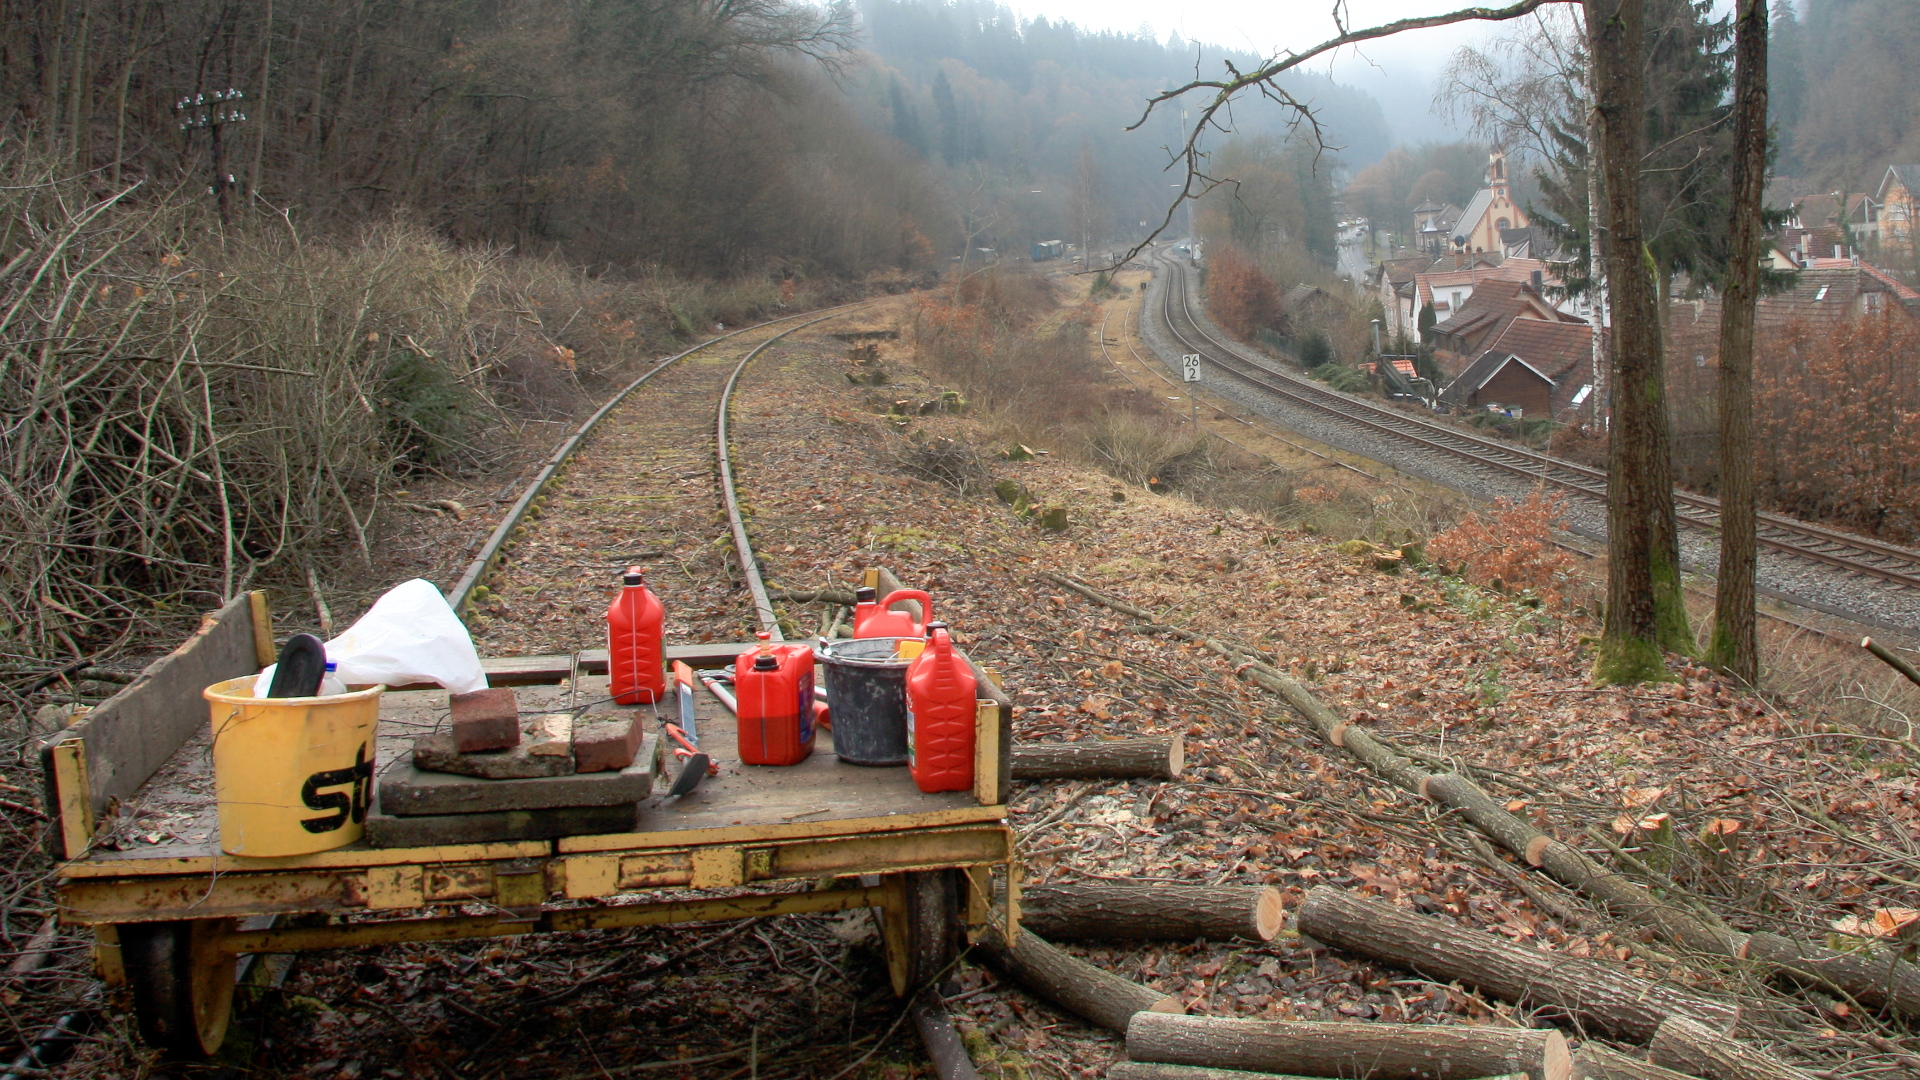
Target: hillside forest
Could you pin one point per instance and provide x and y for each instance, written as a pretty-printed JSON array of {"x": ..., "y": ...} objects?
[{"x": 282, "y": 257}]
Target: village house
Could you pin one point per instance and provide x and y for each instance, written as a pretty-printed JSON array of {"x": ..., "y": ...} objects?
[
  {"x": 1533, "y": 368},
  {"x": 1463, "y": 338},
  {"x": 1899, "y": 191},
  {"x": 1433, "y": 226}
]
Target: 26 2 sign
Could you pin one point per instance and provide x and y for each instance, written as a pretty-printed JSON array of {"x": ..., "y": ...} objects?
[{"x": 1190, "y": 367}]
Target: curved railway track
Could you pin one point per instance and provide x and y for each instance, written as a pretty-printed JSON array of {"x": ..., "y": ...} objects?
[
  {"x": 673, "y": 422},
  {"x": 1858, "y": 555}
]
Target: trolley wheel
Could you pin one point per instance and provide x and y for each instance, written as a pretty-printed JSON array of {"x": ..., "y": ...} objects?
[
  {"x": 925, "y": 936},
  {"x": 182, "y": 983}
]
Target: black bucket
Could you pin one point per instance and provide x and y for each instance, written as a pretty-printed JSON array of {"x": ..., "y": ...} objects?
[{"x": 867, "y": 697}]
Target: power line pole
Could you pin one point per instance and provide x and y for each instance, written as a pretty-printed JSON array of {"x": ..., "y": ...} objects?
[{"x": 212, "y": 113}]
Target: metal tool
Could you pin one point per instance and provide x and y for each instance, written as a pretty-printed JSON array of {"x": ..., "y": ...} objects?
[{"x": 694, "y": 765}]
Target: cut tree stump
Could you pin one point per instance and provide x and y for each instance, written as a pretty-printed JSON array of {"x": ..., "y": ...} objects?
[
  {"x": 1595, "y": 1062},
  {"x": 1159, "y": 757},
  {"x": 1100, "y": 997},
  {"x": 1371, "y": 1051},
  {"x": 1588, "y": 991},
  {"x": 1154, "y": 1070},
  {"x": 1698, "y": 1050},
  {"x": 1151, "y": 912}
]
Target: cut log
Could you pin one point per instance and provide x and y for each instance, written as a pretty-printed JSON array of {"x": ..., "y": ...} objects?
[
  {"x": 1698, "y": 1050},
  {"x": 1151, "y": 912},
  {"x": 1877, "y": 981},
  {"x": 1595, "y": 1062},
  {"x": 1587, "y": 991},
  {"x": 1100, "y": 997},
  {"x": 1373, "y": 1051},
  {"x": 1154, "y": 1070},
  {"x": 1160, "y": 757}
]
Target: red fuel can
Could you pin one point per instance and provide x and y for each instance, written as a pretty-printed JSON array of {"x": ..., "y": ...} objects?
[
  {"x": 773, "y": 689},
  {"x": 873, "y": 618},
  {"x": 634, "y": 644},
  {"x": 940, "y": 716}
]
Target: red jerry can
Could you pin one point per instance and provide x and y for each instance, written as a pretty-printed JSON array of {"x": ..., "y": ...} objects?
[
  {"x": 940, "y": 716},
  {"x": 873, "y": 618},
  {"x": 634, "y": 645},
  {"x": 773, "y": 692}
]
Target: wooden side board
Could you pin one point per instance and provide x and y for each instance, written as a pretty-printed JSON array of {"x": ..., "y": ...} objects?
[{"x": 130, "y": 735}]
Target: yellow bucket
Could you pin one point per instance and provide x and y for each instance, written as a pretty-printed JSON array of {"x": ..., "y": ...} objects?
[{"x": 291, "y": 775}]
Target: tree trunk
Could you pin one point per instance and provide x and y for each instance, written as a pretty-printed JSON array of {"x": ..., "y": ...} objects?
[
  {"x": 1643, "y": 571},
  {"x": 1154, "y": 1070},
  {"x": 1876, "y": 981},
  {"x": 1683, "y": 1045},
  {"x": 1734, "y": 649},
  {"x": 1075, "y": 985},
  {"x": 1595, "y": 1062},
  {"x": 1376, "y": 1051},
  {"x": 1596, "y": 266},
  {"x": 1161, "y": 757},
  {"x": 1588, "y": 991},
  {"x": 1151, "y": 912}
]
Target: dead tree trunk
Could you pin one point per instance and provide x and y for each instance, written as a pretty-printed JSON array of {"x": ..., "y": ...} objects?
[
  {"x": 1151, "y": 912},
  {"x": 1160, "y": 757},
  {"x": 1683, "y": 1045},
  {"x": 1586, "y": 990},
  {"x": 1377, "y": 1051},
  {"x": 1075, "y": 985}
]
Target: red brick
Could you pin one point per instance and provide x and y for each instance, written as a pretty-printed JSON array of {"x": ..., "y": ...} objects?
[
  {"x": 485, "y": 720},
  {"x": 605, "y": 745}
]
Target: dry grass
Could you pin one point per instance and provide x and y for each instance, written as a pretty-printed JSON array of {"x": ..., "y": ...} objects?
[{"x": 192, "y": 409}]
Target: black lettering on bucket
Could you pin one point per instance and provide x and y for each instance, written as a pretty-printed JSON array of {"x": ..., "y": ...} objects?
[{"x": 350, "y": 804}]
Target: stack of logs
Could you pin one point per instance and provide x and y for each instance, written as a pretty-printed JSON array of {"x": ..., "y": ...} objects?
[{"x": 1685, "y": 1033}]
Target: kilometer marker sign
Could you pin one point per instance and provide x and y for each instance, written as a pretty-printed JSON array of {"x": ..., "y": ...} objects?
[{"x": 1190, "y": 367}]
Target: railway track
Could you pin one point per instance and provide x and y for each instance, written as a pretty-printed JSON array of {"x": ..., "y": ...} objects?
[
  {"x": 652, "y": 464},
  {"x": 1882, "y": 562}
]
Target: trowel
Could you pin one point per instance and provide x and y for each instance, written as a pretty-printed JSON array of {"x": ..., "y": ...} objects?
[{"x": 694, "y": 765}]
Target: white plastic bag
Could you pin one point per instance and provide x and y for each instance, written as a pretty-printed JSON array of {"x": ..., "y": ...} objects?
[{"x": 410, "y": 635}]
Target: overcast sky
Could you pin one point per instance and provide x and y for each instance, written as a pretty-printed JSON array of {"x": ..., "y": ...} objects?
[{"x": 1399, "y": 71}]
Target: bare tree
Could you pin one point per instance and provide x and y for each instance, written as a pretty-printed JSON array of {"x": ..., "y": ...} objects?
[
  {"x": 1645, "y": 607},
  {"x": 1734, "y": 648}
]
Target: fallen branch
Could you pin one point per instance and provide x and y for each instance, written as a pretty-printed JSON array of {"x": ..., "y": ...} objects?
[
  {"x": 1681, "y": 1044},
  {"x": 1159, "y": 757},
  {"x": 1376, "y": 1051},
  {"x": 1893, "y": 660},
  {"x": 1099, "y": 996},
  {"x": 944, "y": 1048},
  {"x": 1884, "y": 981},
  {"x": 1154, "y": 1070},
  {"x": 1588, "y": 991}
]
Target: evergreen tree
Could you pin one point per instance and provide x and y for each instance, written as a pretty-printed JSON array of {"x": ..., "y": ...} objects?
[
  {"x": 1786, "y": 72},
  {"x": 906, "y": 121},
  {"x": 946, "y": 114}
]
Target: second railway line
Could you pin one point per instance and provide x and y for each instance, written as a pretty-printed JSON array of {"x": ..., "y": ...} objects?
[{"x": 1854, "y": 577}]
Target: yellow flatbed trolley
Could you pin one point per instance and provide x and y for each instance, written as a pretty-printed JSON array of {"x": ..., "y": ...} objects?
[{"x": 135, "y": 831}]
